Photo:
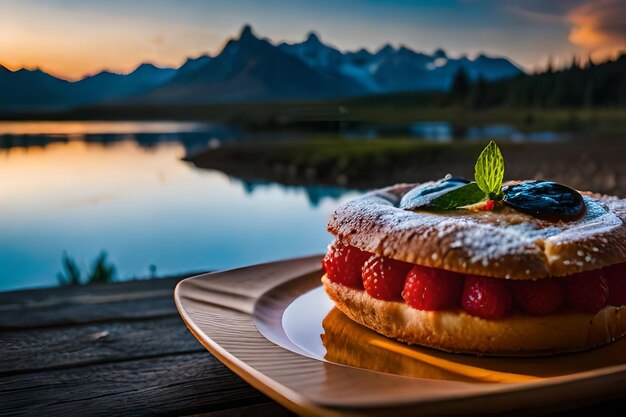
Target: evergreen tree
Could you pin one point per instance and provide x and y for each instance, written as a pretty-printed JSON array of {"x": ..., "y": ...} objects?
[
  {"x": 460, "y": 87},
  {"x": 550, "y": 67},
  {"x": 478, "y": 95},
  {"x": 595, "y": 84}
]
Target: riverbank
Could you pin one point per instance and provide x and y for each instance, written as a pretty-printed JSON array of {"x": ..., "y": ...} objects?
[
  {"x": 328, "y": 116},
  {"x": 584, "y": 164}
]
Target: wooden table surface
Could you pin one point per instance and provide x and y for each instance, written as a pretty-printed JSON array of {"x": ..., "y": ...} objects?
[
  {"x": 116, "y": 349},
  {"x": 120, "y": 349}
]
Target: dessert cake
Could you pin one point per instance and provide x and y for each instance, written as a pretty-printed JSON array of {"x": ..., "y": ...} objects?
[{"x": 482, "y": 267}]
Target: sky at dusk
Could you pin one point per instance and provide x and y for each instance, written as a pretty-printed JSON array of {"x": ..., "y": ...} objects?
[{"x": 73, "y": 38}]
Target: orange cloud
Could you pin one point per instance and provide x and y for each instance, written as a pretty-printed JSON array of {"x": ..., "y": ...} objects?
[{"x": 599, "y": 27}]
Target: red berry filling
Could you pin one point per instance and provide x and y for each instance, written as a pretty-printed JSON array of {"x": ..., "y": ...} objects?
[
  {"x": 616, "y": 278},
  {"x": 432, "y": 289},
  {"x": 425, "y": 288},
  {"x": 383, "y": 278},
  {"x": 539, "y": 298},
  {"x": 489, "y": 298},
  {"x": 343, "y": 264},
  {"x": 587, "y": 292}
]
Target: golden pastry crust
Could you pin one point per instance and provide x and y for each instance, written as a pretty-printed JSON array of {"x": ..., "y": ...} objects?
[
  {"x": 500, "y": 244},
  {"x": 457, "y": 331}
]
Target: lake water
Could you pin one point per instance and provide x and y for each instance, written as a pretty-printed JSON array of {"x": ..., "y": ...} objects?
[
  {"x": 82, "y": 188},
  {"x": 122, "y": 187}
]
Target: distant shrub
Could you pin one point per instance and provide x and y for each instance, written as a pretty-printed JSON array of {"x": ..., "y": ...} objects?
[
  {"x": 101, "y": 271},
  {"x": 71, "y": 274}
]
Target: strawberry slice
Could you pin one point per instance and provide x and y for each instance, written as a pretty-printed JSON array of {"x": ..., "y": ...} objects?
[
  {"x": 343, "y": 264},
  {"x": 587, "y": 292},
  {"x": 432, "y": 289},
  {"x": 539, "y": 298},
  {"x": 383, "y": 278},
  {"x": 616, "y": 278},
  {"x": 488, "y": 298}
]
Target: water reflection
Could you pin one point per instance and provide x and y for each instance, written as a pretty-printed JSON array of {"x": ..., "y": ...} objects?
[
  {"x": 444, "y": 132},
  {"x": 435, "y": 131},
  {"x": 313, "y": 324},
  {"x": 315, "y": 194},
  {"x": 197, "y": 135},
  {"x": 350, "y": 344},
  {"x": 500, "y": 131},
  {"x": 84, "y": 187},
  {"x": 147, "y": 208},
  {"x": 447, "y": 132},
  {"x": 192, "y": 136}
]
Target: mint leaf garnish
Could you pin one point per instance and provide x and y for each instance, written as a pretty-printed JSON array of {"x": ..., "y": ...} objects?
[
  {"x": 481, "y": 195},
  {"x": 463, "y": 196},
  {"x": 489, "y": 171}
]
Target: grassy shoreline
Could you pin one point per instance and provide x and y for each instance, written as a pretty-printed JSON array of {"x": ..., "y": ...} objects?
[
  {"x": 591, "y": 165},
  {"x": 328, "y": 115}
]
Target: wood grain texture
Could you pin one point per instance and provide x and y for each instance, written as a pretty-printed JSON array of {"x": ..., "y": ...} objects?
[
  {"x": 31, "y": 298},
  {"x": 175, "y": 384},
  {"x": 271, "y": 409},
  {"x": 100, "y": 350},
  {"x": 134, "y": 300},
  {"x": 71, "y": 314},
  {"x": 63, "y": 347},
  {"x": 314, "y": 387}
]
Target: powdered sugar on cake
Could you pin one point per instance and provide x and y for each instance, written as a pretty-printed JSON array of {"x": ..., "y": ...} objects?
[{"x": 503, "y": 243}]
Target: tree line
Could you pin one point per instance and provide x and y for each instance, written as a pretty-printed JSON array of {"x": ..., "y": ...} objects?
[{"x": 577, "y": 86}]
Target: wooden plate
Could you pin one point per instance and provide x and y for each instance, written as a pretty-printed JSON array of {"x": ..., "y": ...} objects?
[{"x": 273, "y": 326}]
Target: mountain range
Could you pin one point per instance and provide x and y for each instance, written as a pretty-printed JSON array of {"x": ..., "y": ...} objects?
[{"x": 250, "y": 68}]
